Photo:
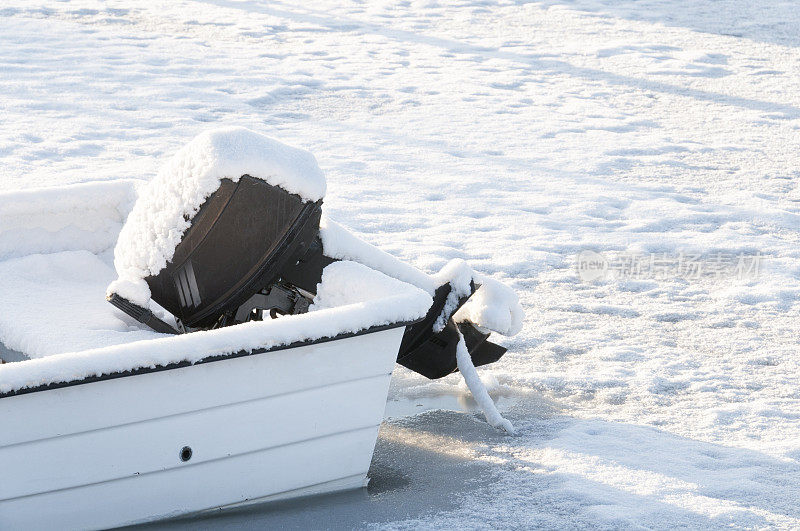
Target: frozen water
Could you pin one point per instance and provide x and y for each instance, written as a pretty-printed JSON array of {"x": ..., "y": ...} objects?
[{"x": 513, "y": 135}]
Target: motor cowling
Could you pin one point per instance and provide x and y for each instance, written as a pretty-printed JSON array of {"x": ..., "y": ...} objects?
[{"x": 240, "y": 240}]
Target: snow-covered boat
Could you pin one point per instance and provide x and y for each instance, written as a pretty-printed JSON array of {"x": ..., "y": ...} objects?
[{"x": 109, "y": 416}]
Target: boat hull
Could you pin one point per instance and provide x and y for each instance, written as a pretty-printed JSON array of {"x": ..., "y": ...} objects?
[{"x": 270, "y": 425}]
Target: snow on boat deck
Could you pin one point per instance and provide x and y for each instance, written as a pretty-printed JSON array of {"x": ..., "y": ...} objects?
[
  {"x": 514, "y": 136},
  {"x": 54, "y": 303},
  {"x": 351, "y": 299}
]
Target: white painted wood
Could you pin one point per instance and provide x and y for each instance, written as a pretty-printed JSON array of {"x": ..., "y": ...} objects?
[{"x": 270, "y": 425}]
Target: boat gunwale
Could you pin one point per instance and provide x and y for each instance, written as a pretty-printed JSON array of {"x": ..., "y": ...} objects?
[{"x": 209, "y": 359}]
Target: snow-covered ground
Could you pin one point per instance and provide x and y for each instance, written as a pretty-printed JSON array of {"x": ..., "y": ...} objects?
[{"x": 515, "y": 136}]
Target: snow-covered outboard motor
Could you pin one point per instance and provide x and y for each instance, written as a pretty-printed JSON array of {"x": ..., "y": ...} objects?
[
  {"x": 239, "y": 242},
  {"x": 252, "y": 250}
]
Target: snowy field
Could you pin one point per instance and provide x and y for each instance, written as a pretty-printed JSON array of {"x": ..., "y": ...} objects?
[{"x": 515, "y": 136}]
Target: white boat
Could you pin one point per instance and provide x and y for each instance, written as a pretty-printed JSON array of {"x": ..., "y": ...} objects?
[
  {"x": 182, "y": 395},
  {"x": 109, "y": 451},
  {"x": 171, "y": 425}
]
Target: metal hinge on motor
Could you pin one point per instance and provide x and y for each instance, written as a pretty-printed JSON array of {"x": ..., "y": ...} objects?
[{"x": 278, "y": 299}]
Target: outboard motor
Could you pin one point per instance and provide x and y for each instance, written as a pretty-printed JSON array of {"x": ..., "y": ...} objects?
[
  {"x": 238, "y": 244},
  {"x": 229, "y": 232},
  {"x": 252, "y": 252}
]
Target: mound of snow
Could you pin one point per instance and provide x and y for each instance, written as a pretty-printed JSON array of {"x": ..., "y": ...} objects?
[
  {"x": 342, "y": 244},
  {"x": 86, "y": 216},
  {"x": 169, "y": 202},
  {"x": 347, "y": 282},
  {"x": 53, "y": 303},
  {"x": 494, "y": 306}
]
